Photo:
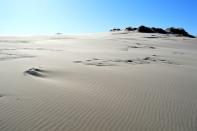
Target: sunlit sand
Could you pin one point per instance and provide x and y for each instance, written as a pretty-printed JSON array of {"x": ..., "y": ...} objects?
[{"x": 116, "y": 81}]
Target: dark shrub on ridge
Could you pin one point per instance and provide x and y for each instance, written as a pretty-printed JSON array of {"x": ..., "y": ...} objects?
[
  {"x": 159, "y": 30},
  {"x": 130, "y": 29},
  {"x": 144, "y": 29},
  {"x": 115, "y": 29},
  {"x": 179, "y": 31}
]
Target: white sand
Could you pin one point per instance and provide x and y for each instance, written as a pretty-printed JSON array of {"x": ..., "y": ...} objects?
[{"x": 98, "y": 82}]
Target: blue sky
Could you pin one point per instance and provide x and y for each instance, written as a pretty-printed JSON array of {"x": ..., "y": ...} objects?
[{"x": 84, "y": 16}]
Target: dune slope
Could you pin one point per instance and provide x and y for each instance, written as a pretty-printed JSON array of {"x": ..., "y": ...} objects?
[{"x": 98, "y": 82}]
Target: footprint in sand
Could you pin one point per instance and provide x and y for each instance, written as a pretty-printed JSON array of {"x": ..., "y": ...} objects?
[
  {"x": 37, "y": 72},
  {"x": 178, "y": 53},
  {"x": 145, "y": 60},
  {"x": 95, "y": 62},
  {"x": 137, "y": 46},
  {"x": 1, "y": 95}
]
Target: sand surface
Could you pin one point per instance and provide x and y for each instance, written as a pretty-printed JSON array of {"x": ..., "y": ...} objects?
[{"x": 98, "y": 82}]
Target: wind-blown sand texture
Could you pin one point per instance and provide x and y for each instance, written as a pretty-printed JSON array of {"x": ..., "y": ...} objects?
[{"x": 98, "y": 82}]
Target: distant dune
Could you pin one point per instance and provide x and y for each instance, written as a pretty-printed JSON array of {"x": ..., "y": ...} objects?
[{"x": 121, "y": 80}]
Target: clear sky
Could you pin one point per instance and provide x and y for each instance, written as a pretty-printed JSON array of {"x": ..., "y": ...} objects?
[{"x": 84, "y": 16}]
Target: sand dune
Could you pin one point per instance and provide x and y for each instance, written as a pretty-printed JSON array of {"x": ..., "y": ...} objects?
[{"x": 98, "y": 82}]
